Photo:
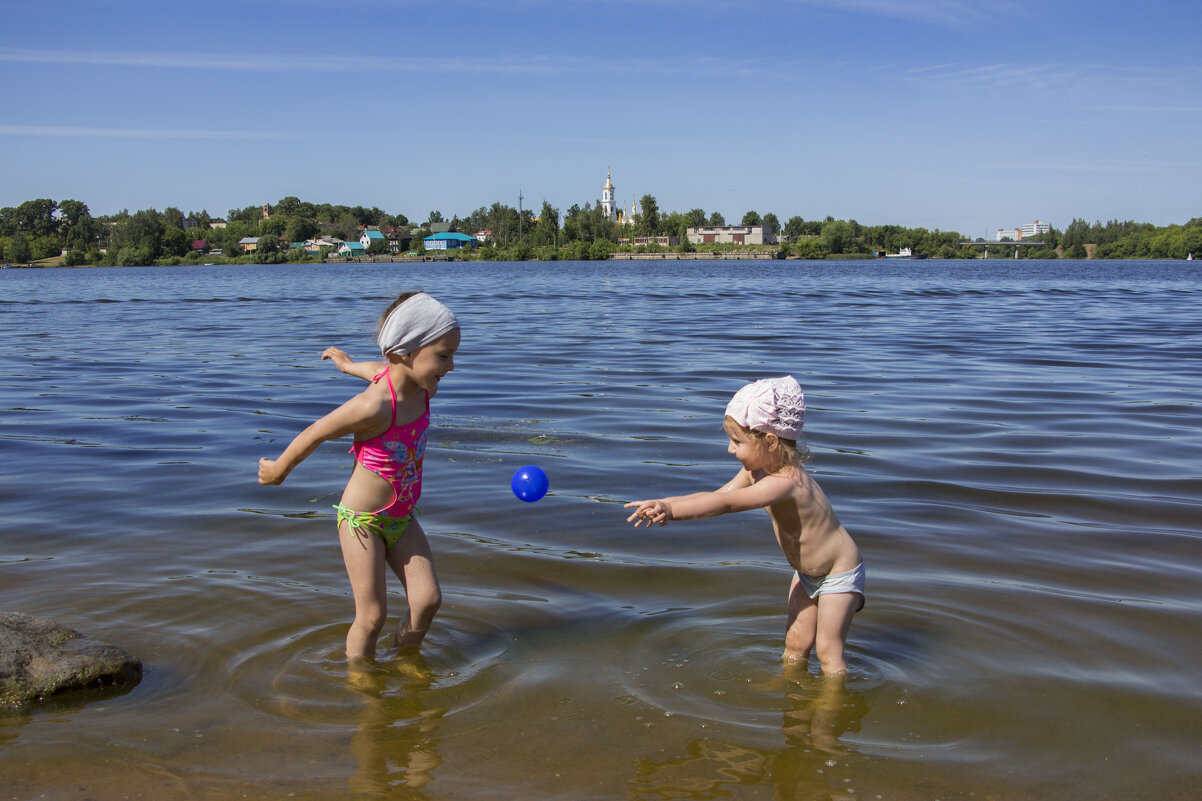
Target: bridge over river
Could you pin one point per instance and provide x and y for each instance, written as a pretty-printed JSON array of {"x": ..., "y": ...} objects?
[{"x": 1022, "y": 243}]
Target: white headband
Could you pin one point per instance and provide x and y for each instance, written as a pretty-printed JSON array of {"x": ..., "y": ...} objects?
[
  {"x": 770, "y": 405},
  {"x": 418, "y": 321}
]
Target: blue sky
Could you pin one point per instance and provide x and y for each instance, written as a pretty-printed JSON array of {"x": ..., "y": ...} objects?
[{"x": 949, "y": 114}]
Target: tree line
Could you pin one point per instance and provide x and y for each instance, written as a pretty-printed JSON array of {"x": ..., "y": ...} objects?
[{"x": 44, "y": 229}]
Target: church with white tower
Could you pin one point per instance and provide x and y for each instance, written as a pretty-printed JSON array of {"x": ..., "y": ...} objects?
[{"x": 607, "y": 199}]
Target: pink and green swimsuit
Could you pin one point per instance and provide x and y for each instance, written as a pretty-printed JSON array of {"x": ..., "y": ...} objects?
[{"x": 395, "y": 456}]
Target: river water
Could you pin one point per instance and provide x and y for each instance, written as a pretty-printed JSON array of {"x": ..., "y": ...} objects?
[{"x": 1014, "y": 445}]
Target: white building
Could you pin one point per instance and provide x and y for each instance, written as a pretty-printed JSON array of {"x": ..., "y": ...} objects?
[
  {"x": 607, "y": 200},
  {"x": 1036, "y": 228},
  {"x": 737, "y": 234},
  {"x": 371, "y": 235}
]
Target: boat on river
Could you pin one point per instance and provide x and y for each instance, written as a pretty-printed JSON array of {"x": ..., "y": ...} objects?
[{"x": 902, "y": 253}]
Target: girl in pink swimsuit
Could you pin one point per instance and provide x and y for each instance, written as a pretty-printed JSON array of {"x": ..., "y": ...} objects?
[{"x": 418, "y": 337}]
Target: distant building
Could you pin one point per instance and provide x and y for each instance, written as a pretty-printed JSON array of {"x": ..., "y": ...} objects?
[
  {"x": 449, "y": 240},
  {"x": 607, "y": 200},
  {"x": 1037, "y": 228},
  {"x": 628, "y": 219},
  {"x": 371, "y": 235},
  {"x": 351, "y": 249},
  {"x": 736, "y": 234},
  {"x": 249, "y": 244},
  {"x": 322, "y": 244},
  {"x": 484, "y": 236},
  {"x": 662, "y": 241}
]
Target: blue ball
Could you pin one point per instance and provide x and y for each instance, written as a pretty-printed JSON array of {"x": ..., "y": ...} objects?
[{"x": 529, "y": 483}]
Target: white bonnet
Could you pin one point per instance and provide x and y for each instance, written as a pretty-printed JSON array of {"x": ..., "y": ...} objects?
[{"x": 770, "y": 405}]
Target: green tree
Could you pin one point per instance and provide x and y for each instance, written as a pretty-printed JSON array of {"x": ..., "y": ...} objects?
[
  {"x": 649, "y": 222},
  {"x": 751, "y": 218},
  {"x": 837, "y": 236},
  {"x": 139, "y": 237},
  {"x": 547, "y": 229},
  {"x": 717, "y": 220},
  {"x": 80, "y": 230},
  {"x": 685, "y": 245},
  {"x": 72, "y": 211},
  {"x": 808, "y": 248},
  {"x": 771, "y": 223},
  {"x": 44, "y": 247},
  {"x": 574, "y": 251},
  {"x": 269, "y": 250},
  {"x": 19, "y": 250},
  {"x": 600, "y": 250},
  {"x": 174, "y": 242},
  {"x": 274, "y": 226},
  {"x": 571, "y": 224},
  {"x": 673, "y": 224},
  {"x": 202, "y": 219},
  {"x": 133, "y": 257},
  {"x": 75, "y": 258},
  {"x": 173, "y": 218},
  {"x": 288, "y": 206},
  {"x": 301, "y": 228},
  {"x": 696, "y": 217},
  {"x": 347, "y": 226},
  {"x": 251, "y": 215},
  {"x": 36, "y": 217}
]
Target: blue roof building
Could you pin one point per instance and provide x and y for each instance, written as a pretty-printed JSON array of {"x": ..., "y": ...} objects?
[{"x": 449, "y": 241}]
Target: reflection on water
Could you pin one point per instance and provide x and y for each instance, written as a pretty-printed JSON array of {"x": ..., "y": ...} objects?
[
  {"x": 820, "y": 712},
  {"x": 817, "y": 712},
  {"x": 1013, "y": 446},
  {"x": 395, "y": 744}
]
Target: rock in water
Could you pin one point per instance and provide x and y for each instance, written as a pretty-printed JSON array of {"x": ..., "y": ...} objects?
[{"x": 39, "y": 657}]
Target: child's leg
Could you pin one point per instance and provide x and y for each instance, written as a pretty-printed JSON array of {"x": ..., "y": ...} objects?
[
  {"x": 364, "y": 558},
  {"x": 801, "y": 630},
  {"x": 413, "y": 563},
  {"x": 835, "y": 611}
]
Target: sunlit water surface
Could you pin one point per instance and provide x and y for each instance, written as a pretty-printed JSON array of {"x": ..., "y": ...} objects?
[{"x": 1015, "y": 447}]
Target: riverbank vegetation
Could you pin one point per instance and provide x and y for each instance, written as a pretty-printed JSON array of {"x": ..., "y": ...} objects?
[{"x": 49, "y": 232}]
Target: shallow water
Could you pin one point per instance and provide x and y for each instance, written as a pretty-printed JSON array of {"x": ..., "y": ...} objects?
[{"x": 1014, "y": 446}]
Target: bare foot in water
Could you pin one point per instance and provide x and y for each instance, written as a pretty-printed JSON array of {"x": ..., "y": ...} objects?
[{"x": 406, "y": 637}]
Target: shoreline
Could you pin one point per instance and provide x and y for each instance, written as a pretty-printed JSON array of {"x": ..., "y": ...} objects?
[{"x": 673, "y": 256}]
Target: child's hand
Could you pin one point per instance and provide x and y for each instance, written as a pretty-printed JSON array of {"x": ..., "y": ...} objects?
[
  {"x": 269, "y": 473},
  {"x": 338, "y": 357},
  {"x": 649, "y": 512}
]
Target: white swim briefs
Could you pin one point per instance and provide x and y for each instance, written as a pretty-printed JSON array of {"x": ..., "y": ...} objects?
[{"x": 851, "y": 581}]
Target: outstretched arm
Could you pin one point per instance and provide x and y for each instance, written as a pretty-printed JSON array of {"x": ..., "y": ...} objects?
[
  {"x": 355, "y": 415},
  {"x": 365, "y": 370},
  {"x": 738, "y": 495}
]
